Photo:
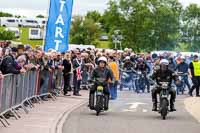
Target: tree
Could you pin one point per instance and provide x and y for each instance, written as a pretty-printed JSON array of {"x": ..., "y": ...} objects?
[
  {"x": 7, "y": 35},
  {"x": 83, "y": 31},
  {"x": 91, "y": 31},
  {"x": 40, "y": 16},
  {"x": 76, "y": 36},
  {"x": 93, "y": 15},
  {"x": 18, "y": 16},
  {"x": 145, "y": 25},
  {"x": 190, "y": 27},
  {"x": 3, "y": 14}
]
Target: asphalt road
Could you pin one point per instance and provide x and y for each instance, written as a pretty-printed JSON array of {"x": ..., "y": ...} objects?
[{"x": 131, "y": 113}]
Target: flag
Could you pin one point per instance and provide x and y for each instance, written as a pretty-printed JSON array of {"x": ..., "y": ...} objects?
[
  {"x": 78, "y": 73},
  {"x": 58, "y": 25}
]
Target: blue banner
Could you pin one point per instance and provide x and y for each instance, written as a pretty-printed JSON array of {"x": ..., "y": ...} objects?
[{"x": 58, "y": 25}]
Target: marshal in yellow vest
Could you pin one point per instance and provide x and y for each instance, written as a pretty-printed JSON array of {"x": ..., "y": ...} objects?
[{"x": 196, "y": 66}]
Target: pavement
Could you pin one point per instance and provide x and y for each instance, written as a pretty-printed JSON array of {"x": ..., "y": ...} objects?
[
  {"x": 192, "y": 105},
  {"x": 132, "y": 113},
  {"x": 45, "y": 117}
]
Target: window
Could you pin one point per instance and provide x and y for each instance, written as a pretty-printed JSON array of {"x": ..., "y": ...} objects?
[
  {"x": 16, "y": 32},
  {"x": 11, "y": 20},
  {"x": 31, "y": 21},
  {"x": 34, "y": 32},
  {"x": 43, "y": 22}
]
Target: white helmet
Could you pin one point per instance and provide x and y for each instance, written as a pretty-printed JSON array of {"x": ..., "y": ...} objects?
[
  {"x": 104, "y": 59},
  {"x": 127, "y": 58},
  {"x": 164, "y": 62},
  {"x": 183, "y": 57}
]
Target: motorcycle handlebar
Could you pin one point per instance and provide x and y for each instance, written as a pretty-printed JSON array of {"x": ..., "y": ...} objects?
[{"x": 180, "y": 74}]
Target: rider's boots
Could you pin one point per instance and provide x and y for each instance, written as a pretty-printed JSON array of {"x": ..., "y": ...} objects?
[
  {"x": 154, "y": 106},
  {"x": 172, "y": 107},
  {"x": 106, "y": 102}
]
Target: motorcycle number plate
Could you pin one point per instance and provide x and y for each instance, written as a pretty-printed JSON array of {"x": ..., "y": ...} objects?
[
  {"x": 99, "y": 93},
  {"x": 164, "y": 96},
  {"x": 100, "y": 88}
]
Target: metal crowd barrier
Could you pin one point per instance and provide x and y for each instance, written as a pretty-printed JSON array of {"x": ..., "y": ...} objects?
[
  {"x": 56, "y": 82},
  {"x": 18, "y": 91}
]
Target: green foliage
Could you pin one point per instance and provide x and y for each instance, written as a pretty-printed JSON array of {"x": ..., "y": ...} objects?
[
  {"x": 40, "y": 16},
  {"x": 94, "y": 15},
  {"x": 190, "y": 27},
  {"x": 3, "y": 14},
  {"x": 6, "y": 35},
  {"x": 145, "y": 25},
  {"x": 84, "y": 31}
]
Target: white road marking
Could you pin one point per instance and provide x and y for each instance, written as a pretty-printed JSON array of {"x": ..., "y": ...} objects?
[
  {"x": 144, "y": 110},
  {"x": 129, "y": 110},
  {"x": 135, "y": 105}
]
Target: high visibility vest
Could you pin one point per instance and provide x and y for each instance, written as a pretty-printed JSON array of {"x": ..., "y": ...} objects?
[{"x": 196, "y": 66}]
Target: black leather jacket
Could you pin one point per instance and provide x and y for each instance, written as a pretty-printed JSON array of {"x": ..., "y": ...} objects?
[
  {"x": 104, "y": 73},
  {"x": 161, "y": 76}
]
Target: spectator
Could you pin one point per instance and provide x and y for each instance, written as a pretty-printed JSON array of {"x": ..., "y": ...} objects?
[
  {"x": 9, "y": 65},
  {"x": 67, "y": 72},
  {"x": 115, "y": 70},
  {"x": 77, "y": 66}
]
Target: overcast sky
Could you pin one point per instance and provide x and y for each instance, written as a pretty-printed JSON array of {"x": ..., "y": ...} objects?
[{"x": 34, "y": 7}]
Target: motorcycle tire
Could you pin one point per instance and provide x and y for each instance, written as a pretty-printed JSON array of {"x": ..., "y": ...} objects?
[
  {"x": 164, "y": 108},
  {"x": 99, "y": 105}
]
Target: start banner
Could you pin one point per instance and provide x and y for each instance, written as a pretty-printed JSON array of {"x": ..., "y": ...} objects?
[{"x": 58, "y": 25}]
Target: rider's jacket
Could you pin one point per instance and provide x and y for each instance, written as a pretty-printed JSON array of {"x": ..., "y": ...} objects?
[
  {"x": 161, "y": 76},
  {"x": 143, "y": 67},
  {"x": 128, "y": 65},
  {"x": 104, "y": 73}
]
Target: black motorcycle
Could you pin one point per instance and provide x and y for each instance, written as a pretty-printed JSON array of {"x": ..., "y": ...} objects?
[
  {"x": 164, "y": 99},
  {"x": 100, "y": 97},
  {"x": 140, "y": 82}
]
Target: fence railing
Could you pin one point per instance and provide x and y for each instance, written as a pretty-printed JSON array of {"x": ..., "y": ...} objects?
[{"x": 18, "y": 91}]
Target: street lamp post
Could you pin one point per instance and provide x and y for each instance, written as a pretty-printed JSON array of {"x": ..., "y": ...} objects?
[{"x": 117, "y": 38}]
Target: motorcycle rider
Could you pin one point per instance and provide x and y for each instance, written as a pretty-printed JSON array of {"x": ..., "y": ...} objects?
[
  {"x": 103, "y": 72},
  {"x": 183, "y": 67},
  {"x": 145, "y": 69},
  {"x": 163, "y": 75},
  {"x": 128, "y": 64}
]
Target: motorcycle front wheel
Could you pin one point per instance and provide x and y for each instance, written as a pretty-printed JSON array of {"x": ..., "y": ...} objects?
[
  {"x": 164, "y": 108},
  {"x": 99, "y": 104}
]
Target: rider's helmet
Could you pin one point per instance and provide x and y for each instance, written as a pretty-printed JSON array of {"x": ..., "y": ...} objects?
[
  {"x": 164, "y": 64},
  {"x": 182, "y": 58},
  {"x": 140, "y": 59},
  {"x": 127, "y": 58},
  {"x": 102, "y": 59}
]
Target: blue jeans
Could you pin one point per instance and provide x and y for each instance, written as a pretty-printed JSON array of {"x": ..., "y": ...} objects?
[
  {"x": 44, "y": 86},
  {"x": 185, "y": 79},
  {"x": 113, "y": 90},
  {"x": 77, "y": 85}
]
